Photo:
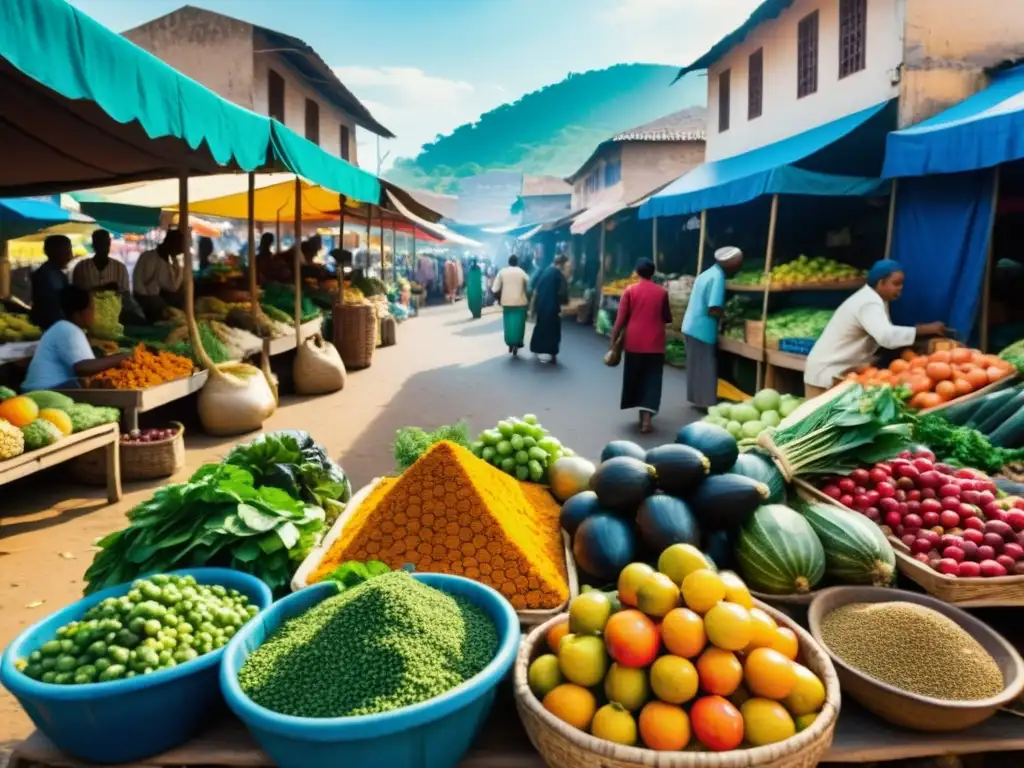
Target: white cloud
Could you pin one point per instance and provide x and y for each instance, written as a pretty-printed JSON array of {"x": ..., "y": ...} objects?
[
  {"x": 673, "y": 31},
  {"x": 414, "y": 105}
]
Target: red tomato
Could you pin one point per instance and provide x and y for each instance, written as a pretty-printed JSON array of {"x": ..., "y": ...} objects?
[
  {"x": 632, "y": 639},
  {"x": 717, "y": 723}
]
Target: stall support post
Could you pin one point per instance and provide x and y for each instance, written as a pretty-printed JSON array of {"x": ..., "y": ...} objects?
[
  {"x": 394, "y": 255},
  {"x": 254, "y": 295},
  {"x": 768, "y": 256},
  {"x": 369, "y": 225},
  {"x": 986, "y": 288},
  {"x": 341, "y": 247},
  {"x": 892, "y": 218},
  {"x": 654, "y": 242},
  {"x": 297, "y": 261},
  {"x": 5, "y": 271},
  {"x": 600, "y": 272},
  {"x": 700, "y": 241},
  {"x": 277, "y": 231}
]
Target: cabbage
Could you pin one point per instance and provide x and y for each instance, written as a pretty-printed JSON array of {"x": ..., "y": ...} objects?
[
  {"x": 767, "y": 400},
  {"x": 752, "y": 428},
  {"x": 744, "y": 413}
]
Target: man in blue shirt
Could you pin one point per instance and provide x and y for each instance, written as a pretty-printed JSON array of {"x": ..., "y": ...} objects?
[
  {"x": 64, "y": 354},
  {"x": 49, "y": 280},
  {"x": 700, "y": 327}
]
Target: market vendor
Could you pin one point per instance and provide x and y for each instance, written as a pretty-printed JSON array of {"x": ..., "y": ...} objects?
[
  {"x": 157, "y": 281},
  {"x": 205, "y": 250},
  {"x": 101, "y": 273},
  {"x": 49, "y": 280},
  {"x": 859, "y": 327},
  {"x": 700, "y": 327},
  {"x": 64, "y": 354}
]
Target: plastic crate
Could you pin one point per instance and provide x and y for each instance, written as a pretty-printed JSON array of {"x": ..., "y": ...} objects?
[{"x": 796, "y": 346}]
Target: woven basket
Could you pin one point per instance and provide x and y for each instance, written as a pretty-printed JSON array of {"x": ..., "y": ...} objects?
[
  {"x": 139, "y": 461},
  {"x": 388, "y": 332},
  {"x": 563, "y": 746},
  {"x": 355, "y": 334}
]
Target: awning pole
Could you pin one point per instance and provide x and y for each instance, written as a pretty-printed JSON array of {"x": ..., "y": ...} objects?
[
  {"x": 298, "y": 261},
  {"x": 394, "y": 255},
  {"x": 341, "y": 247},
  {"x": 768, "y": 257},
  {"x": 892, "y": 218},
  {"x": 987, "y": 287},
  {"x": 700, "y": 243},
  {"x": 369, "y": 225},
  {"x": 254, "y": 295},
  {"x": 654, "y": 241},
  {"x": 277, "y": 231},
  {"x": 600, "y": 271}
]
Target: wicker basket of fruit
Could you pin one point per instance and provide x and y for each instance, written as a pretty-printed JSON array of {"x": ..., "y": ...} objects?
[
  {"x": 776, "y": 709},
  {"x": 148, "y": 455}
]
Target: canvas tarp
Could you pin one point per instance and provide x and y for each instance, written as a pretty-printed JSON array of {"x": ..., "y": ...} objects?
[{"x": 28, "y": 216}]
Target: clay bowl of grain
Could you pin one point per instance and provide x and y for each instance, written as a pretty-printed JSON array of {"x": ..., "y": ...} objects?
[{"x": 913, "y": 668}]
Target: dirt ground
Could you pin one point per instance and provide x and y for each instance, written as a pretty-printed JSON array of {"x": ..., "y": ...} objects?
[{"x": 445, "y": 367}]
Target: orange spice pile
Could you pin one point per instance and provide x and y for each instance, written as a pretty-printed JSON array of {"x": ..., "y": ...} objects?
[
  {"x": 143, "y": 369},
  {"x": 452, "y": 513}
]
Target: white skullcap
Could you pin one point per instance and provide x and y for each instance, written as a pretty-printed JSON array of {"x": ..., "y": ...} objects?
[{"x": 727, "y": 253}]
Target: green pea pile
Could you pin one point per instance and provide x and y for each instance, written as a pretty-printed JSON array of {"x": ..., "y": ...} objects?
[
  {"x": 161, "y": 622},
  {"x": 388, "y": 643}
]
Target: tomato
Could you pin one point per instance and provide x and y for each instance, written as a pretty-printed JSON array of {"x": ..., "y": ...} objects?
[
  {"x": 632, "y": 639},
  {"x": 716, "y": 723}
]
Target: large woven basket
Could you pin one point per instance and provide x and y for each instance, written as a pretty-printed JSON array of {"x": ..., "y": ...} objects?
[
  {"x": 563, "y": 746},
  {"x": 139, "y": 461},
  {"x": 355, "y": 334}
]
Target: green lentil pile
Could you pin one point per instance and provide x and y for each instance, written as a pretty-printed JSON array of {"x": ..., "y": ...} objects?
[
  {"x": 912, "y": 648},
  {"x": 388, "y": 643}
]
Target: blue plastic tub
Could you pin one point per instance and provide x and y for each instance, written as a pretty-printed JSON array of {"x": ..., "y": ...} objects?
[
  {"x": 432, "y": 734},
  {"x": 125, "y": 720}
]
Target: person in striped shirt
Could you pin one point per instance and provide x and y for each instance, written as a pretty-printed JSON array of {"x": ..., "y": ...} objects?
[{"x": 101, "y": 273}]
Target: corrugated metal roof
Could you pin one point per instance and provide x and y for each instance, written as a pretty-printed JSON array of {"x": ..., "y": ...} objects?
[
  {"x": 684, "y": 125},
  {"x": 766, "y": 11}
]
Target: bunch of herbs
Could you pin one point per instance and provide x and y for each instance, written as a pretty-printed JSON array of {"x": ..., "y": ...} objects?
[{"x": 413, "y": 442}]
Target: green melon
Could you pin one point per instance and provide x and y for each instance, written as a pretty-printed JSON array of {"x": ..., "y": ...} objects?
[
  {"x": 856, "y": 550},
  {"x": 779, "y": 553}
]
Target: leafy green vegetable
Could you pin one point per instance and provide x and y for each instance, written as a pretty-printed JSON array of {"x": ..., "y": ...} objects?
[
  {"x": 413, "y": 442},
  {"x": 352, "y": 574},
  {"x": 962, "y": 446},
  {"x": 218, "y": 518}
]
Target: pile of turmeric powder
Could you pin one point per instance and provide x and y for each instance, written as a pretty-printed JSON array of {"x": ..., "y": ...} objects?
[
  {"x": 143, "y": 369},
  {"x": 451, "y": 512}
]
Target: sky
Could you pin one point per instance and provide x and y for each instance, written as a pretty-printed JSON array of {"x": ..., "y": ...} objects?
[{"x": 425, "y": 67}]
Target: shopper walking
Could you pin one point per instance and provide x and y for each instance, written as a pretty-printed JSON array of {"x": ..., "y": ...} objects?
[
  {"x": 700, "y": 326},
  {"x": 552, "y": 293},
  {"x": 510, "y": 289},
  {"x": 640, "y": 332},
  {"x": 475, "y": 289}
]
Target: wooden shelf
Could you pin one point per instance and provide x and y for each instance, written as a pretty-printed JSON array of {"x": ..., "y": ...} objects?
[
  {"x": 287, "y": 343},
  {"x": 104, "y": 436},
  {"x": 786, "y": 360},
  {"x": 132, "y": 402},
  {"x": 741, "y": 348},
  {"x": 845, "y": 285}
]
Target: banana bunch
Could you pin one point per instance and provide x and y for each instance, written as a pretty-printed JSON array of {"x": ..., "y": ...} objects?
[{"x": 17, "y": 328}]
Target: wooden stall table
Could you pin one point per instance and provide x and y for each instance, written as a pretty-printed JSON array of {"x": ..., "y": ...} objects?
[
  {"x": 106, "y": 436},
  {"x": 132, "y": 402},
  {"x": 286, "y": 343}
]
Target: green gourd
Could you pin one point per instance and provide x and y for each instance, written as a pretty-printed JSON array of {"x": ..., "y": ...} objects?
[
  {"x": 779, "y": 553},
  {"x": 856, "y": 550}
]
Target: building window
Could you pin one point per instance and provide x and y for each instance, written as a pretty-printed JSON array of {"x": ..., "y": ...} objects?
[
  {"x": 755, "y": 84},
  {"x": 613, "y": 172},
  {"x": 313, "y": 121},
  {"x": 344, "y": 142},
  {"x": 724, "y": 96},
  {"x": 275, "y": 96},
  {"x": 807, "y": 56},
  {"x": 853, "y": 28}
]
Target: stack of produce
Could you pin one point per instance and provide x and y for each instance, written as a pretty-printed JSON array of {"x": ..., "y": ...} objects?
[
  {"x": 520, "y": 447},
  {"x": 179, "y": 343},
  {"x": 106, "y": 324},
  {"x": 1013, "y": 354},
  {"x": 282, "y": 297},
  {"x": 942, "y": 376},
  {"x": 15, "y": 327},
  {"x": 453, "y": 513},
  {"x": 112, "y": 641},
  {"x": 797, "y": 323},
  {"x": 675, "y": 352},
  {"x": 38, "y": 419},
  {"x": 144, "y": 369},
  {"x": 688, "y": 663},
  {"x": 997, "y": 417},
  {"x": 238, "y": 343},
  {"x": 746, "y": 420},
  {"x": 218, "y": 518},
  {"x": 353, "y": 295},
  {"x": 738, "y": 310},
  {"x": 618, "y": 286},
  {"x": 260, "y": 325},
  {"x": 816, "y": 271},
  {"x": 150, "y": 435},
  {"x": 402, "y": 642},
  {"x": 949, "y": 519}
]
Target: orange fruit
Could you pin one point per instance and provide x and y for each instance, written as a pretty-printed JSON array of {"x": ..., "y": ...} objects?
[
  {"x": 674, "y": 679},
  {"x": 995, "y": 374},
  {"x": 941, "y": 356},
  {"x": 717, "y": 724},
  {"x": 630, "y": 579},
  {"x": 572, "y": 704},
  {"x": 908, "y": 355},
  {"x": 808, "y": 696},
  {"x": 960, "y": 355},
  {"x": 627, "y": 686},
  {"x": 963, "y": 386},
  {"x": 664, "y": 727},
  {"x": 930, "y": 400},
  {"x": 19, "y": 411},
  {"x": 631, "y": 639},
  {"x": 720, "y": 671},
  {"x": 657, "y": 595},
  {"x": 899, "y": 365},
  {"x": 703, "y": 590},
  {"x": 613, "y": 723},
  {"x": 736, "y": 590},
  {"x": 556, "y": 633},
  {"x": 769, "y": 674},
  {"x": 977, "y": 377},
  {"x": 766, "y": 722},
  {"x": 787, "y": 643},
  {"x": 762, "y": 627},
  {"x": 919, "y": 362},
  {"x": 682, "y": 632},
  {"x": 946, "y": 390},
  {"x": 938, "y": 371},
  {"x": 728, "y": 626}
]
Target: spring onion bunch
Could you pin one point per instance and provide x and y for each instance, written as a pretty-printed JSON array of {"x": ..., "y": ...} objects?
[{"x": 834, "y": 435}]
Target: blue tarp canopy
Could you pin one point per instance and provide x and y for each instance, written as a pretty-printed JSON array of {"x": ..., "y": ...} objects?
[
  {"x": 22, "y": 216},
  {"x": 766, "y": 170},
  {"x": 982, "y": 131}
]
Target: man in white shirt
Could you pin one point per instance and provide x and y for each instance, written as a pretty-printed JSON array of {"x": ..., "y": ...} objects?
[
  {"x": 158, "y": 277},
  {"x": 510, "y": 286},
  {"x": 101, "y": 273},
  {"x": 859, "y": 327}
]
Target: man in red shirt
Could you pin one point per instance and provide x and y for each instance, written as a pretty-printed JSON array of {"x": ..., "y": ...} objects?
[{"x": 640, "y": 330}]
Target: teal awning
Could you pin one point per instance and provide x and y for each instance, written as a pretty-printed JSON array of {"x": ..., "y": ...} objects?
[{"x": 84, "y": 107}]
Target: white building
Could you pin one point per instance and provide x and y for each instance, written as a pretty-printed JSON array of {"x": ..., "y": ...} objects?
[{"x": 262, "y": 70}]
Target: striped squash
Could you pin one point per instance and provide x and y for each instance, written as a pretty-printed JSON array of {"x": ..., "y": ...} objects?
[
  {"x": 778, "y": 552},
  {"x": 856, "y": 550}
]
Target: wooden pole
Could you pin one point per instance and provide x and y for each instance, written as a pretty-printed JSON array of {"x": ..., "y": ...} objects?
[
  {"x": 394, "y": 255},
  {"x": 987, "y": 287},
  {"x": 277, "y": 232},
  {"x": 254, "y": 295},
  {"x": 654, "y": 241},
  {"x": 369, "y": 225},
  {"x": 341, "y": 247},
  {"x": 892, "y": 218},
  {"x": 768, "y": 256},
  {"x": 298, "y": 261},
  {"x": 600, "y": 272},
  {"x": 700, "y": 242}
]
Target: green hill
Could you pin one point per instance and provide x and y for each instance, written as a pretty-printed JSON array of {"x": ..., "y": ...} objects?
[{"x": 552, "y": 130}]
